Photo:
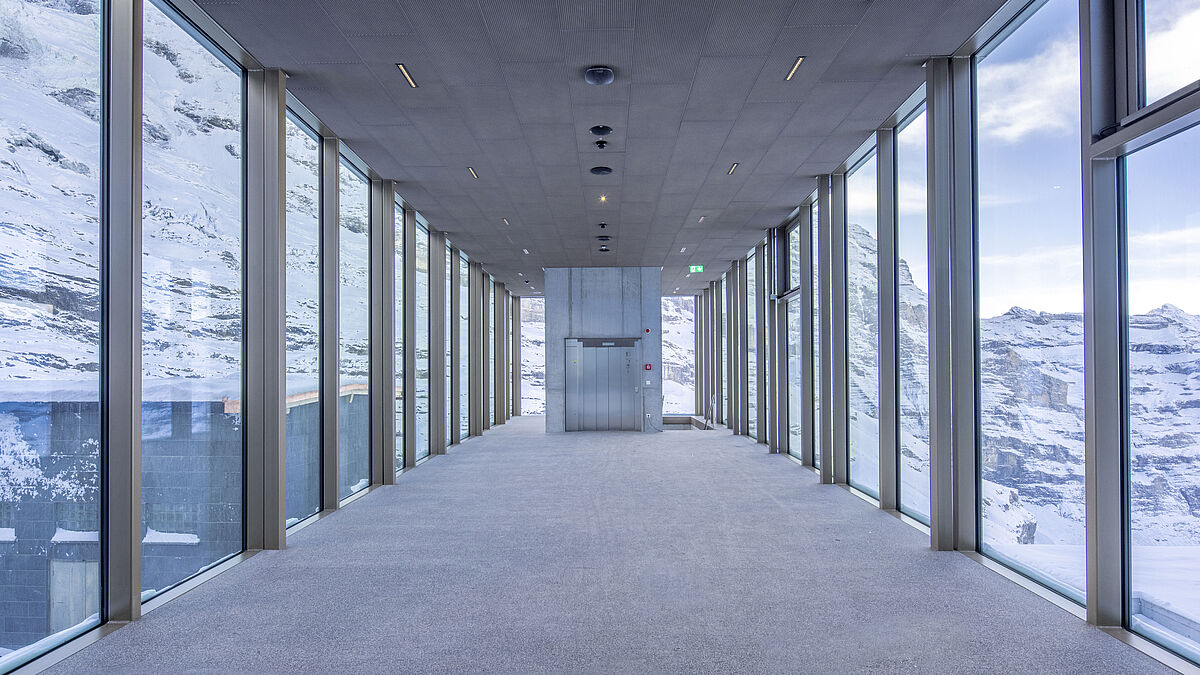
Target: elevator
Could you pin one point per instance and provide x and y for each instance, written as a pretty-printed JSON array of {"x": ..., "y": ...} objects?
[{"x": 603, "y": 391}]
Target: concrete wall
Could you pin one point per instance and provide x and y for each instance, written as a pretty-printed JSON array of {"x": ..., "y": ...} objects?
[{"x": 603, "y": 302}]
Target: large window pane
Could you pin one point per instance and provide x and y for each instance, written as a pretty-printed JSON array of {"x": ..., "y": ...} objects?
[
  {"x": 421, "y": 329},
  {"x": 913, "y": 252},
  {"x": 354, "y": 330},
  {"x": 302, "y": 323},
  {"x": 191, "y": 305},
  {"x": 398, "y": 336},
  {"x": 723, "y": 338},
  {"x": 533, "y": 356},
  {"x": 464, "y": 347},
  {"x": 816, "y": 331},
  {"x": 447, "y": 317},
  {"x": 679, "y": 354},
  {"x": 862, "y": 324},
  {"x": 751, "y": 346},
  {"x": 1172, "y": 52},
  {"x": 50, "y": 75},
  {"x": 795, "y": 361},
  {"x": 1030, "y": 294},
  {"x": 492, "y": 414},
  {"x": 794, "y": 268},
  {"x": 1163, "y": 248}
]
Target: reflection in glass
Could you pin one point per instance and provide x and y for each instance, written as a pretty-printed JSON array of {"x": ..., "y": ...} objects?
[
  {"x": 421, "y": 330},
  {"x": 492, "y": 414},
  {"x": 1172, "y": 52},
  {"x": 751, "y": 346},
  {"x": 723, "y": 338},
  {"x": 679, "y": 354},
  {"x": 302, "y": 321},
  {"x": 912, "y": 251},
  {"x": 533, "y": 356},
  {"x": 50, "y": 462},
  {"x": 447, "y": 319},
  {"x": 354, "y": 331},
  {"x": 1030, "y": 295},
  {"x": 794, "y": 269},
  {"x": 464, "y": 347},
  {"x": 1163, "y": 249},
  {"x": 816, "y": 331},
  {"x": 795, "y": 357},
  {"x": 862, "y": 324},
  {"x": 398, "y": 335},
  {"x": 191, "y": 305}
]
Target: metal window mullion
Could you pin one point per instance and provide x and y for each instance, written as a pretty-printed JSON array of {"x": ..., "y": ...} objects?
[
  {"x": 887, "y": 274},
  {"x": 839, "y": 366},
  {"x": 825, "y": 355},
  {"x": 963, "y": 314},
  {"x": 1105, "y": 52},
  {"x": 382, "y": 367},
  {"x": 263, "y": 408},
  {"x": 807, "y": 382},
  {"x": 939, "y": 203},
  {"x": 762, "y": 324},
  {"x": 437, "y": 343},
  {"x": 456, "y": 384},
  {"x": 329, "y": 322},
  {"x": 121, "y": 334}
]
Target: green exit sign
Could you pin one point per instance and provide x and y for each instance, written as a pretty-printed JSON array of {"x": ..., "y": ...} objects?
[{"x": 693, "y": 269}]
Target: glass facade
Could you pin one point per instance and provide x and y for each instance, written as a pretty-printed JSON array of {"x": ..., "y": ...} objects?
[
  {"x": 50, "y": 229},
  {"x": 533, "y": 356},
  {"x": 398, "y": 353},
  {"x": 1030, "y": 305},
  {"x": 679, "y": 355},
  {"x": 862, "y": 324},
  {"x": 723, "y": 339},
  {"x": 1162, "y": 243},
  {"x": 751, "y": 345},
  {"x": 302, "y": 323},
  {"x": 354, "y": 330},
  {"x": 491, "y": 414},
  {"x": 421, "y": 330},
  {"x": 192, "y": 327},
  {"x": 912, "y": 251},
  {"x": 464, "y": 347},
  {"x": 795, "y": 371},
  {"x": 1171, "y": 54},
  {"x": 447, "y": 319},
  {"x": 815, "y": 270}
]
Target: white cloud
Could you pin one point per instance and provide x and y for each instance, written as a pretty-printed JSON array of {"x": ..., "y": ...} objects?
[
  {"x": 1037, "y": 94},
  {"x": 1046, "y": 280},
  {"x": 1172, "y": 49}
]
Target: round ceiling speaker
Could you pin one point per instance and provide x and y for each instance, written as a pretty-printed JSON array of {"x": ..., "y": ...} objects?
[
  {"x": 600, "y": 130},
  {"x": 599, "y": 75},
  {"x": 601, "y": 170}
]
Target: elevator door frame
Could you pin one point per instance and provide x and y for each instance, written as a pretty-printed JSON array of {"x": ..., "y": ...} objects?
[{"x": 612, "y": 398}]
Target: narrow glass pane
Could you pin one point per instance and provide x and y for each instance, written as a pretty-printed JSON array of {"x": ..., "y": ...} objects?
[
  {"x": 862, "y": 324},
  {"x": 354, "y": 331},
  {"x": 192, "y": 450},
  {"x": 816, "y": 332},
  {"x": 679, "y": 354},
  {"x": 421, "y": 297},
  {"x": 50, "y": 87},
  {"x": 751, "y": 346},
  {"x": 1163, "y": 248},
  {"x": 447, "y": 319},
  {"x": 492, "y": 414},
  {"x": 724, "y": 340},
  {"x": 302, "y": 322},
  {"x": 398, "y": 336},
  {"x": 464, "y": 347},
  {"x": 913, "y": 252},
  {"x": 796, "y": 365},
  {"x": 1030, "y": 328},
  {"x": 794, "y": 258},
  {"x": 533, "y": 356},
  {"x": 1172, "y": 50}
]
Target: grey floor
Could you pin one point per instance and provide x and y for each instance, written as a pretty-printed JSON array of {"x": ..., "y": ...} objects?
[{"x": 685, "y": 551}]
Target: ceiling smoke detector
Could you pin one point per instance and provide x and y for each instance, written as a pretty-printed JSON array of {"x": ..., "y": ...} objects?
[
  {"x": 599, "y": 75},
  {"x": 603, "y": 225},
  {"x": 601, "y": 144},
  {"x": 601, "y": 170}
]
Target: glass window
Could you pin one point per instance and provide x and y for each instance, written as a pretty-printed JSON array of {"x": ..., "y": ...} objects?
[
  {"x": 816, "y": 331},
  {"x": 447, "y": 317},
  {"x": 464, "y": 347},
  {"x": 913, "y": 251},
  {"x": 1163, "y": 273},
  {"x": 862, "y": 324},
  {"x": 679, "y": 354},
  {"x": 751, "y": 346},
  {"x": 795, "y": 363},
  {"x": 302, "y": 322},
  {"x": 1030, "y": 295},
  {"x": 50, "y": 79},
  {"x": 192, "y": 448},
  {"x": 1172, "y": 52},
  {"x": 354, "y": 330},
  {"x": 398, "y": 335},
  {"x": 723, "y": 338},
  {"x": 492, "y": 414},
  {"x": 794, "y": 258},
  {"x": 533, "y": 356},
  {"x": 421, "y": 296}
]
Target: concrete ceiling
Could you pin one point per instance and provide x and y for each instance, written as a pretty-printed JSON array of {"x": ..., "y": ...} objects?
[{"x": 700, "y": 85}]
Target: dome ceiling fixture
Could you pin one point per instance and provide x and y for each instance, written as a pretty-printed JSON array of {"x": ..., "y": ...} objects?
[
  {"x": 601, "y": 170},
  {"x": 600, "y": 130},
  {"x": 599, "y": 75}
]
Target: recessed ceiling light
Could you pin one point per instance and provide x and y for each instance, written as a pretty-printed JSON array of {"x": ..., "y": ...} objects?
[
  {"x": 603, "y": 198},
  {"x": 799, "y": 60},
  {"x": 683, "y": 249},
  {"x": 505, "y": 220},
  {"x": 525, "y": 251},
  {"x": 701, "y": 219},
  {"x": 600, "y": 130},
  {"x": 604, "y": 249},
  {"x": 526, "y": 281},
  {"x": 689, "y": 276},
  {"x": 520, "y": 274},
  {"x": 732, "y": 169},
  {"x": 603, "y": 225},
  {"x": 676, "y": 289},
  {"x": 599, "y": 75},
  {"x": 476, "y": 176},
  {"x": 404, "y": 72},
  {"x": 601, "y": 170}
]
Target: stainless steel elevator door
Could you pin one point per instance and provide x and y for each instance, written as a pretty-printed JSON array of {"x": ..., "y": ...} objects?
[{"x": 602, "y": 392}]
